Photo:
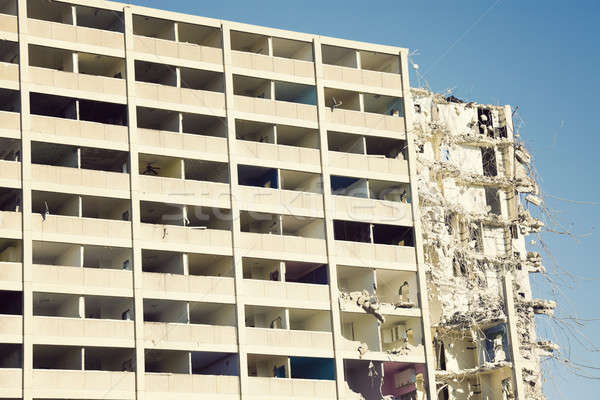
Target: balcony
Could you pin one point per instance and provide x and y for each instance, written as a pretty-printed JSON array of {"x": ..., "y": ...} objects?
[
  {"x": 385, "y": 82},
  {"x": 285, "y": 341},
  {"x": 285, "y": 388},
  {"x": 70, "y": 36},
  {"x": 72, "y": 84},
  {"x": 11, "y": 276},
  {"x": 83, "y": 384},
  {"x": 285, "y": 294},
  {"x": 280, "y": 201},
  {"x": 9, "y": 75},
  {"x": 283, "y": 246},
  {"x": 277, "y": 155},
  {"x": 10, "y": 224},
  {"x": 159, "y": 386},
  {"x": 170, "y": 190},
  {"x": 173, "y": 336},
  {"x": 155, "y": 49},
  {"x": 11, "y": 330},
  {"x": 179, "y": 238},
  {"x": 372, "y": 166},
  {"x": 8, "y": 27},
  {"x": 78, "y": 331},
  {"x": 58, "y": 228},
  {"x": 182, "y": 144},
  {"x": 11, "y": 174},
  {"x": 354, "y": 121},
  {"x": 182, "y": 99},
  {"x": 188, "y": 287},
  {"x": 381, "y": 255},
  {"x": 285, "y": 112},
  {"x": 10, "y": 124},
  {"x": 72, "y": 180},
  {"x": 278, "y": 67},
  {"x": 92, "y": 281},
  {"x": 372, "y": 210},
  {"x": 11, "y": 379}
]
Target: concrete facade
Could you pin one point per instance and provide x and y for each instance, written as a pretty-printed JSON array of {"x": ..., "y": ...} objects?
[{"x": 193, "y": 207}]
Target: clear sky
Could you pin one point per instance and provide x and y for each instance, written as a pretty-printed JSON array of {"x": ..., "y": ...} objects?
[{"x": 540, "y": 56}]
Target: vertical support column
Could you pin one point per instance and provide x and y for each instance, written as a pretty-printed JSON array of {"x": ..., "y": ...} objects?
[
  {"x": 421, "y": 278},
  {"x": 27, "y": 246},
  {"x": 329, "y": 234},
  {"x": 513, "y": 336},
  {"x": 235, "y": 212},
  {"x": 138, "y": 294}
]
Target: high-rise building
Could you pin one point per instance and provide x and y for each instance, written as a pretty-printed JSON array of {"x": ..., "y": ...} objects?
[{"x": 192, "y": 207}]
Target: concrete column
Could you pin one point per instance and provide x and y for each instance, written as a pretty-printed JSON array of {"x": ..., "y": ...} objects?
[
  {"x": 513, "y": 338},
  {"x": 138, "y": 299},
  {"x": 421, "y": 278},
  {"x": 235, "y": 212},
  {"x": 336, "y": 325}
]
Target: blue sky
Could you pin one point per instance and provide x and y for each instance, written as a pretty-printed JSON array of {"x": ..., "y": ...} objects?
[{"x": 540, "y": 56}]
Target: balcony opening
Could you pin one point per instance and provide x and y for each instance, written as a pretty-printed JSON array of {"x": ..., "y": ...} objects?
[
  {"x": 294, "y": 49},
  {"x": 199, "y": 34},
  {"x": 380, "y": 62},
  {"x": 153, "y": 27},
  {"x": 301, "y": 181},
  {"x": 303, "y": 272},
  {"x": 10, "y": 250},
  {"x": 208, "y": 218},
  {"x": 265, "y": 317},
  {"x": 53, "y": 11},
  {"x": 391, "y": 191},
  {"x": 361, "y": 328},
  {"x": 165, "y": 262},
  {"x": 11, "y": 302},
  {"x": 161, "y": 213},
  {"x": 52, "y": 106},
  {"x": 54, "y": 154},
  {"x": 167, "y": 361},
  {"x": 11, "y": 355},
  {"x": 210, "y": 265},
  {"x": 98, "y": 18},
  {"x": 10, "y": 199},
  {"x": 57, "y": 305},
  {"x": 388, "y": 148},
  {"x": 213, "y": 314},
  {"x": 200, "y": 79},
  {"x": 263, "y": 269},
  {"x": 340, "y": 56},
  {"x": 256, "y": 222},
  {"x": 208, "y": 171},
  {"x": 296, "y": 136},
  {"x": 166, "y": 311},
  {"x": 8, "y": 7},
  {"x": 349, "y": 186},
  {"x": 252, "y": 87},
  {"x": 352, "y": 231},
  {"x": 57, "y": 357},
  {"x": 109, "y": 359},
  {"x": 399, "y": 332},
  {"x": 254, "y": 131},
  {"x": 215, "y": 363},
  {"x": 250, "y": 42},
  {"x": 312, "y": 368},
  {"x": 492, "y": 200},
  {"x": 101, "y": 65},
  {"x": 109, "y": 307},
  {"x": 387, "y": 105},
  {"x": 303, "y": 227},
  {"x": 393, "y": 235},
  {"x": 155, "y": 165},
  {"x": 160, "y": 74},
  {"x": 198, "y": 124},
  {"x": 268, "y": 366},
  {"x": 51, "y": 58},
  {"x": 342, "y": 99},
  {"x": 484, "y": 116},
  {"x": 310, "y": 320},
  {"x": 10, "y": 100},
  {"x": 295, "y": 93},
  {"x": 345, "y": 142},
  {"x": 105, "y": 208},
  {"x": 390, "y": 379},
  {"x": 107, "y": 257},
  {"x": 160, "y": 120},
  {"x": 55, "y": 253},
  {"x": 257, "y": 176},
  {"x": 397, "y": 287},
  {"x": 10, "y": 149},
  {"x": 104, "y": 160},
  {"x": 51, "y": 203},
  {"x": 399, "y": 379},
  {"x": 356, "y": 279},
  {"x": 9, "y": 51},
  {"x": 488, "y": 159},
  {"x": 102, "y": 112}
]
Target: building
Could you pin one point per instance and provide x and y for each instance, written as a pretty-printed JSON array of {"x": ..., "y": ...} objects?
[{"x": 195, "y": 207}]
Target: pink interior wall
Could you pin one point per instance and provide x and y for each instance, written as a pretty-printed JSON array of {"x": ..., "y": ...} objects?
[{"x": 390, "y": 369}]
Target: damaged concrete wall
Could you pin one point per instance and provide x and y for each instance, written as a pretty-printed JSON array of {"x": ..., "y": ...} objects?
[{"x": 471, "y": 174}]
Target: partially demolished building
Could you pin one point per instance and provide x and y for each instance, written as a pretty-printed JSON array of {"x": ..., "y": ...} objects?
[{"x": 197, "y": 208}]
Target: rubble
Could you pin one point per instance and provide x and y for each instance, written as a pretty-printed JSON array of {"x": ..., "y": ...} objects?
[{"x": 369, "y": 303}]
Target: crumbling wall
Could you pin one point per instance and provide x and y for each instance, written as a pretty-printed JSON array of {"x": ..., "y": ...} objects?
[{"x": 471, "y": 174}]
